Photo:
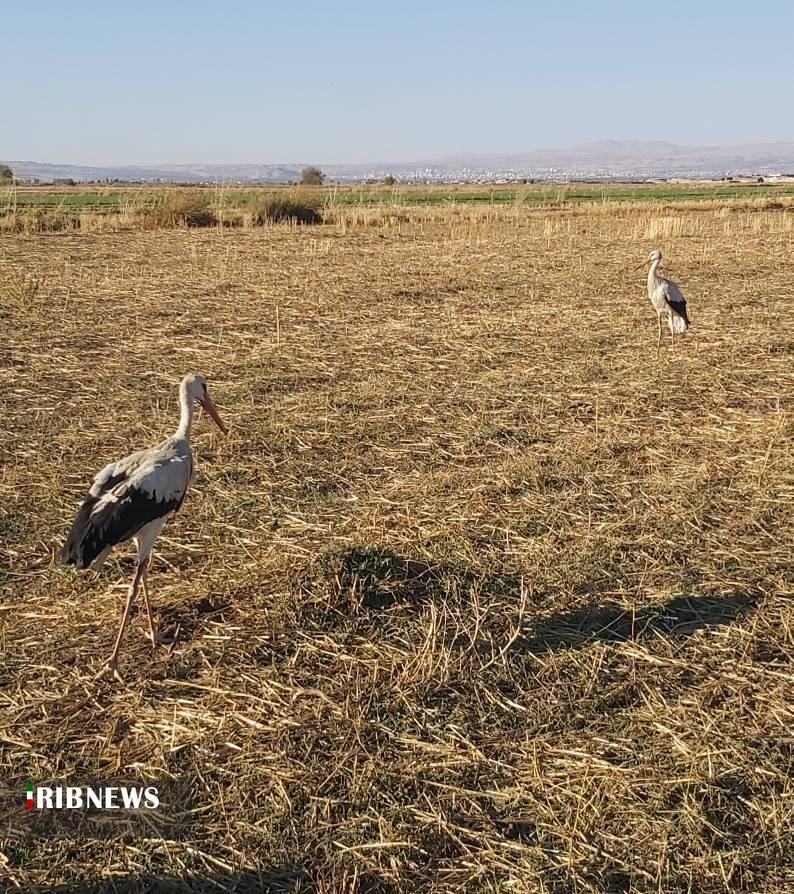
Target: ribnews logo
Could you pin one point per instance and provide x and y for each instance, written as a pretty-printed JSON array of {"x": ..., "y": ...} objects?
[{"x": 84, "y": 797}]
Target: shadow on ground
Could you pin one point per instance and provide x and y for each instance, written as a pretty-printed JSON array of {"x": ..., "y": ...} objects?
[
  {"x": 612, "y": 623},
  {"x": 369, "y": 580},
  {"x": 372, "y": 578}
]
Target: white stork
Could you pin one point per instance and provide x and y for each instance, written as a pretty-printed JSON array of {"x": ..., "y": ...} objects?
[
  {"x": 666, "y": 299},
  {"x": 134, "y": 498}
]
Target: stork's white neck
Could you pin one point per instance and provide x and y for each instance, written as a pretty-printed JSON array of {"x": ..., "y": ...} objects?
[
  {"x": 652, "y": 274},
  {"x": 186, "y": 406}
]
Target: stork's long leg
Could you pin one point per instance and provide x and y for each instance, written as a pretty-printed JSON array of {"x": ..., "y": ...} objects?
[
  {"x": 112, "y": 664},
  {"x": 145, "y": 543},
  {"x": 152, "y": 627},
  {"x": 154, "y": 632},
  {"x": 659, "y": 339}
]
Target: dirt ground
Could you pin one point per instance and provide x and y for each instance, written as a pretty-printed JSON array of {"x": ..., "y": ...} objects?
[{"x": 478, "y": 594}]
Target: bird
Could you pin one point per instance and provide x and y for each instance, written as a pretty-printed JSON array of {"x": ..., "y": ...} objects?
[
  {"x": 666, "y": 299},
  {"x": 133, "y": 498}
]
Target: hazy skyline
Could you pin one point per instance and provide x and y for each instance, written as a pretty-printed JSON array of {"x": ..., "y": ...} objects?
[{"x": 243, "y": 82}]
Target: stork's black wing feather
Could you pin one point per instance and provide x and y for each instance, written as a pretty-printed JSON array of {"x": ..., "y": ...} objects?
[
  {"x": 114, "y": 509},
  {"x": 679, "y": 306},
  {"x": 676, "y": 300}
]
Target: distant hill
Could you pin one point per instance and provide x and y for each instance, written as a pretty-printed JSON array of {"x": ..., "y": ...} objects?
[
  {"x": 653, "y": 158},
  {"x": 605, "y": 160},
  {"x": 32, "y": 170}
]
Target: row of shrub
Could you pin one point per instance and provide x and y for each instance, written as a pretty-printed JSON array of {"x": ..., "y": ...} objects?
[
  {"x": 193, "y": 209},
  {"x": 38, "y": 220},
  {"x": 175, "y": 210}
]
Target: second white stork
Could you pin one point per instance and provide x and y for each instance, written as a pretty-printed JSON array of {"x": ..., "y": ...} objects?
[
  {"x": 666, "y": 298},
  {"x": 133, "y": 498}
]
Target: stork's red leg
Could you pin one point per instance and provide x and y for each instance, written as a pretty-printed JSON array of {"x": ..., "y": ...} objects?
[
  {"x": 156, "y": 637},
  {"x": 112, "y": 664}
]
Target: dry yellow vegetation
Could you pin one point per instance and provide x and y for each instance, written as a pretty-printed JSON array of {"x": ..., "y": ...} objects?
[{"x": 477, "y": 595}]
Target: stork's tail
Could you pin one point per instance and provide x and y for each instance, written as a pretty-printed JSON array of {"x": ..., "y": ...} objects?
[
  {"x": 74, "y": 554},
  {"x": 77, "y": 551},
  {"x": 679, "y": 323}
]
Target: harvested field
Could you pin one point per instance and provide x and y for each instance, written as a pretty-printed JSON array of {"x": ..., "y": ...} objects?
[{"x": 478, "y": 594}]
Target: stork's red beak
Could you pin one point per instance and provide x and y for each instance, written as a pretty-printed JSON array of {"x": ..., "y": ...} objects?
[
  {"x": 643, "y": 264},
  {"x": 209, "y": 406}
]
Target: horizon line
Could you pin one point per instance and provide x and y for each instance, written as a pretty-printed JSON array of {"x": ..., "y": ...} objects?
[{"x": 441, "y": 157}]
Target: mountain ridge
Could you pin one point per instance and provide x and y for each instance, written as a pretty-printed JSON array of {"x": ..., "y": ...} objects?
[{"x": 607, "y": 159}]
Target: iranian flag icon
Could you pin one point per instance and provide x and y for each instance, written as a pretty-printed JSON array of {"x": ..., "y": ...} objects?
[{"x": 29, "y": 802}]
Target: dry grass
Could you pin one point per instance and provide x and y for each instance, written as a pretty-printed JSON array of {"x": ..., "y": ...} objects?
[
  {"x": 478, "y": 594},
  {"x": 147, "y": 208}
]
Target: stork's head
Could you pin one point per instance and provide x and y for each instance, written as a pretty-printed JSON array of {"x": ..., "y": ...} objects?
[
  {"x": 194, "y": 387},
  {"x": 654, "y": 256}
]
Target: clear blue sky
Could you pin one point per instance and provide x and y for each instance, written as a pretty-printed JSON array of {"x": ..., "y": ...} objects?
[{"x": 173, "y": 81}]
